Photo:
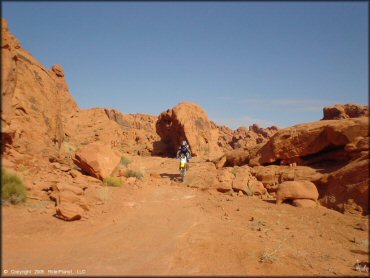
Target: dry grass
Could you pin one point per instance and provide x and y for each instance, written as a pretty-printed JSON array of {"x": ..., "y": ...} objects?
[
  {"x": 134, "y": 173},
  {"x": 271, "y": 256}
]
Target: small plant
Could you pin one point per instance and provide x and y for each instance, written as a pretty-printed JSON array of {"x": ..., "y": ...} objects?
[
  {"x": 134, "y": 173},
  {"x": 125, "y": 161},
  {"x": 112, "y": 181},
  {"x": 249, "y": 191},
  {"x": 12, "y": 189},
  {"x": 235, "y": 170},
  {"x": 270, "y": 257}
]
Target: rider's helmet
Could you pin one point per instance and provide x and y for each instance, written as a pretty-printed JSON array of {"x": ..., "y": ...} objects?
[{"x": 183, "y": 143}]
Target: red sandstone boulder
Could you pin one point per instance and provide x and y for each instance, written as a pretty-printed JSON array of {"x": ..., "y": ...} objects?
[
  {"x": 97, "y": 159},
  {"x": 290, "y": 190},
  {"x": 345, "y": 111},
  {"x": 188, "y": 121}
]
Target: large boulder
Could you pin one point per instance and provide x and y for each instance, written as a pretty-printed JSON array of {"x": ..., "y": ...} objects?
[
  {"x": 345, "y": 111},
  {"x": 35, "y": 101},
  {"x": 291, "y": 190},
  {"x": 188, "y": 121},
  {"x": 301, "y": 143},
  {"x": 97, "y": 159}
]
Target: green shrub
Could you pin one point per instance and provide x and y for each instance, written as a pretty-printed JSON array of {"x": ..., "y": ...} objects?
[
  {"x": 134, "y": 173},
  {"x": 12, "y": 189},
  {"x": 112, "y": 181},
  {"x": 125, "y": 161}
]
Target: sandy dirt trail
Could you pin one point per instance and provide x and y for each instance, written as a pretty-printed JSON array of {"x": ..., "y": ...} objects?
[{"x": 171, "y": 229}]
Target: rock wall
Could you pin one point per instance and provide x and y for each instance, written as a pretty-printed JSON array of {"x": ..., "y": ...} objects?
[{"x": 35, "y": 100}]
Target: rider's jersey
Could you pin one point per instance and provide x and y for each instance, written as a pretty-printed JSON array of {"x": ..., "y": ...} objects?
[{"x": 184, "y": 150}]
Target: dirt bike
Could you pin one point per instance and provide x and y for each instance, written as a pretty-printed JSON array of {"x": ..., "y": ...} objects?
[{"x": 183, "y": 166}]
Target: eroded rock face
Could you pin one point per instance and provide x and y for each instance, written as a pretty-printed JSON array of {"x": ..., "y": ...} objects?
[
  {"x": 326, "y": 139},
  {"x": 345, "y": 111},
  {"x": 97, "y": 159},
  {"x": 347, "y": 189},
  {"x": 188, "y": 121},
  {"x": 34, "y": 98}
]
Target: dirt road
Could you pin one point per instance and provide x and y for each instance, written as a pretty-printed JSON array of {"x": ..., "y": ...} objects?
[{"x": 168, "y": 228}]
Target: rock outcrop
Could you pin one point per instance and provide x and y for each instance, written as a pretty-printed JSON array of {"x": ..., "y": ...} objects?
[
  {"x": 345, "y": 111},
  {"x": 126, "y": 133},
  {"x": 34, "y": 98},
  {"x": 347, "y": 189},
  {"x": 271, "y": 176},
  {"x": 188, "y": 121},
  {"x": 310, "y": 143},
  {"x": 243, "y": 138}
]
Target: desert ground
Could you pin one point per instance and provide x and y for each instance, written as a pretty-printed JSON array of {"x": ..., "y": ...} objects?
[{"x": 166, "y": 227}]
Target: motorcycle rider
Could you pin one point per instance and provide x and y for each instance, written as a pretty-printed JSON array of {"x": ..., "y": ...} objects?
[{"x": 184, "y": 149}]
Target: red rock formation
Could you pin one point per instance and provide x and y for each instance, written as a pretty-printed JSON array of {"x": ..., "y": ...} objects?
[
  {"x": 243, "y": 138},
  {"x": 34, "y": 100},
  {"x": 347, "y": 189},
  {"x": 188, "y": 121},
  {"x": 345, "y": 111},
  {"x": 325, "y": 138}
]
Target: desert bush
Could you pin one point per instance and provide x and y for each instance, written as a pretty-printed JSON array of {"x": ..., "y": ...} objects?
[
  {"x": 112, "y": 181},
  {"x": 125, "y": 161},
  {"x": 12, "y": 188},
  {"x": 134, "y": 173}
]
